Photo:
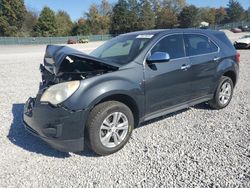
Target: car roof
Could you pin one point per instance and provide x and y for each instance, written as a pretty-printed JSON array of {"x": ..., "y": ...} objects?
[
  {"x": 145, "y": 32},
  {"x": 167, "y": 31}
]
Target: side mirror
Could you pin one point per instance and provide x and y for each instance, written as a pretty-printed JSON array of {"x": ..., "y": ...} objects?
[{"x": 158, "y": 57}]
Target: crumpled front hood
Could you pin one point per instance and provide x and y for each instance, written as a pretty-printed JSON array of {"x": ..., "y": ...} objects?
[{"x": 55, "y": 55}]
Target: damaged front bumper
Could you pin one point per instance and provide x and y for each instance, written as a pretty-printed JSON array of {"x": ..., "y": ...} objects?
[{"x": 61, "y": 128}]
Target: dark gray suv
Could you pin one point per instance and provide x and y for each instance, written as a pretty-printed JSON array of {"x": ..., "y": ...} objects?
[{"x": 100, "y": 98}]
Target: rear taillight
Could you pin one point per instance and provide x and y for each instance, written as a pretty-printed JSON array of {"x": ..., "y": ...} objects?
[{"x": 237, "y": 57}]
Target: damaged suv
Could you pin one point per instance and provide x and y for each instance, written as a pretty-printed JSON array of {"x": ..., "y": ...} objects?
[{"x": 100, "y": 98}]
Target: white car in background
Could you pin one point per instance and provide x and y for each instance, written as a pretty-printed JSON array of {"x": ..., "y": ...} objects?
[{"x": 243, "y": 42}]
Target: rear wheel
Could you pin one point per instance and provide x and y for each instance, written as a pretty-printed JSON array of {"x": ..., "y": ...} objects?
[
  {"x": 110, "y": 125},
  {"x": 223, "y": 93}
]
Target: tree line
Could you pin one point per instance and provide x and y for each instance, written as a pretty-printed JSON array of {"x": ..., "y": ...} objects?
[{"x": 104, "y": 18}]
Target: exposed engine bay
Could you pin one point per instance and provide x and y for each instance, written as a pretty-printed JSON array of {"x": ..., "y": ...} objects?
[{"x": 60, "y": 66}]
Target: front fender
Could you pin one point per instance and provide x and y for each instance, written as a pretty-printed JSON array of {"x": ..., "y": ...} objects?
[{"x": 93, "y": 90}]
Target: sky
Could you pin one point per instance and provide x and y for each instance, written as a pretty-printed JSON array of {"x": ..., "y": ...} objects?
[{"x": 77, "y": 8}]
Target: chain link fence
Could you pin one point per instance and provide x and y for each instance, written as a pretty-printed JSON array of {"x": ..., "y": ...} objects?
[
  {"x": 50, "y": 40},
  {"x": 230, "y": 25}
]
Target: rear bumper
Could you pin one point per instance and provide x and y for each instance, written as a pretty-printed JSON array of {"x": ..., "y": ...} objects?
[{"x": 60, "y": 128}]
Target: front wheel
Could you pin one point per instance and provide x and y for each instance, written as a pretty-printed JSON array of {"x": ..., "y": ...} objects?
[
  {"x": 110, "y": 125},
  {"x": 223, "y": 93}
]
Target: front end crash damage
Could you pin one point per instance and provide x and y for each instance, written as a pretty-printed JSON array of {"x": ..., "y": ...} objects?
[
  {"x": 59, "y": 126},
  {"x": 63, "y": 64}
]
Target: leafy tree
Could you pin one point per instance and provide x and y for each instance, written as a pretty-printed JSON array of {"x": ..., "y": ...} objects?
[
  {"x": 80, "y": 28},
  {"x": 235, "y": 11},
  {"x": 105, "y": 8},
  {"x": 189, "y": 17},
  {"x": 93, "y": 18},
  {"x": 63, "y": 23},
  {"x": 120, "y": 20},
  {"x": 156, "y": 5},
  {"x": 105, "y": 11},
  {"x": 98, "y": 24},
  {"x": 166, "y": 18},
  {"x": 46, "y": 25},
  {"x": 97, "y": 20},
  {"x": 176, "y": 5},
  {"x": 30, "y": 21},
  {"x": 134, "y": 14},
  {"x": 3, "y": 25},
  {"x": 104, "y": 22},
  {"x": 248, "y": 14},
  {"x": 12, "y": 15},
  {"x": 131, "y": 15},
  {"x": 208, "y": 15},
  {"x": 147, "y": 16},
  {"x": 220, "y": 15}
]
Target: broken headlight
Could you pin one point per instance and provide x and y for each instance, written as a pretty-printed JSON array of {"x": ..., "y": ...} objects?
[{"x": 60, "y": 92}]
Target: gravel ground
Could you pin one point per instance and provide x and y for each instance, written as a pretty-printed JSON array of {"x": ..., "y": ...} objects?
[{"x": 196, "y": 147}]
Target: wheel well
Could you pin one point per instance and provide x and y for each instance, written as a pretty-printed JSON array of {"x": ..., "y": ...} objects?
[
  {"x": 231, "y": 75},
  {"x": 127, "y": 100}
]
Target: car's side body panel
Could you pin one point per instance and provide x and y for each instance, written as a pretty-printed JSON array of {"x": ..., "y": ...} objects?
[
  {"x": 203, "y": 70},
  {"x": 166, "y": 84},
  {"x": 227, "y": 64}
]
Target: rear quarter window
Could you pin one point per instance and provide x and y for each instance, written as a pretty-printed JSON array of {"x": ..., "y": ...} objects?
[{"x": 223, "y": 38}]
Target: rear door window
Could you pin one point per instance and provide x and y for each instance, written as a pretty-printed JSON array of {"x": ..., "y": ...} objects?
[
  {"x": 172, "y": 44},
  {"x": 198, "y": 44}
]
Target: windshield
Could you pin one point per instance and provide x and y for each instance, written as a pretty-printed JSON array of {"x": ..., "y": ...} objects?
[{"x": 122, "y": 49}]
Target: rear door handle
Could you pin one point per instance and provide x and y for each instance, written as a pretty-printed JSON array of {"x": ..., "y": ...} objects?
[{"x": 185, "y": 67}]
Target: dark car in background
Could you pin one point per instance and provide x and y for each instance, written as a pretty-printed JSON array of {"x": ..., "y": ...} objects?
[
  {"x": 236, "y": 30},
  {"x": 244, "y": 28},
  {"x": 100, "y": 98}
]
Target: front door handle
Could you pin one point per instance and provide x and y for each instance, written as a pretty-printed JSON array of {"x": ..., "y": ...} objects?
[{"x": 185, "y": 67}]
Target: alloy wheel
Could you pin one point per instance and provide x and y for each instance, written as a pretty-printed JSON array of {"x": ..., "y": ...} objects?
[
  {"x": 225, "y": 93},
  {"x": 114, "y": 129}
]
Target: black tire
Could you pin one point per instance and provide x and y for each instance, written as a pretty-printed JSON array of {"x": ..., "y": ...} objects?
[
  {"x": 215, "y": 103},
  {"x": 98, "y": 114}
]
